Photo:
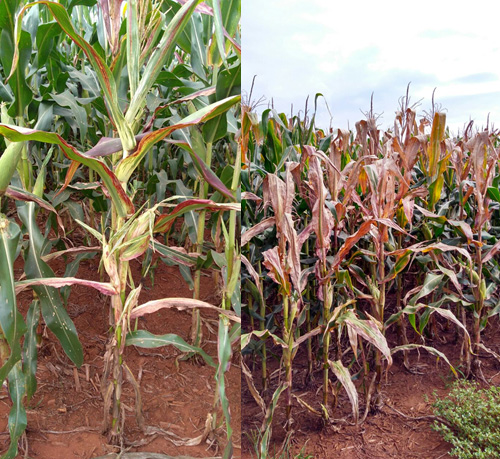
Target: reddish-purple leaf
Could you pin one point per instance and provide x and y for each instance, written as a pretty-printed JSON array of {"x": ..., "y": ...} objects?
[
  {"x": 181, "y": 304},
  {"x": 57, "y": 282},
  {"x": 165, "y": 221},
  {"x": 273, "y": 263},
  {"x": 246, "y": 195},
  {"x": 106, "y": 146},
  {"x": 391, "y": 224},
  {"x": 207, "y": 173},
  {"x": 22, "y": 195},
  {"x": 257, "y": 229},
  {"x": 127, "y": 165},
  {"x": 349, "y": 243},
  {"x": 124, "y": 205},
  {"x": 493, "y": 251},
  {"x": 255, "y": 276}
]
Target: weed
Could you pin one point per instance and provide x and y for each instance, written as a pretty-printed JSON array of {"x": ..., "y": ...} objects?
[
  {"x": 471, "y": 420},
  {"x": 285, "y": 452}
]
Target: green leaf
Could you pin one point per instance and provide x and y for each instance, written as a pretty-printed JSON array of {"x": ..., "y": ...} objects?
[
  {"x": 159, "y": 58},
  {"x": 401, "y": 262},
  {"x": 230, "y": 13},
  {"x": 11, "y": 321},
  {"x": 102, "y": 71},
  {"x": 45, "y": 41},
  {"x": 53, "y": 311},
  {"x": 268, "y": 420},
  {"x": 228, "y": 84},
  {"x": 183, "y": 38},
  {"x": 30, "y": 352},
  {"x": 17, "y": 416},
  {"x": 198, "y": 48},
  {"x": 431, "y": 282},
  {"x": 494, "y": 193},
  {"x": 22, "y": 93},
  {"x": 145, "y": 339},
  {"x": 133, "y": 46},
  {"x": 8, "y": 163},
  {"x": 219, "y": 29},
  {"x": 176, "y": 254},
  {"x": 224, "y": 356},
  {"x": 66, "y": 99},
  {"x": 8, "y": 10}
]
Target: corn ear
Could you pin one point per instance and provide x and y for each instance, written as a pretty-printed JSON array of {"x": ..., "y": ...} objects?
[{"x": 8, "y": 164}]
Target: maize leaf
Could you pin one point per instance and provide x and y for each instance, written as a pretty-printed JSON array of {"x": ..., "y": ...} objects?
[
  {"x": 207, "y": 173},
  {"x": 224, "y": 356},
  {"x": 124, "y": 205},
  {"x": 228, "y": 84},
  {"x": 369, "y": 330},
  {"x": 431, "y": 350},
  {"x": 165, "y": 221},
  {"x": 145, "y": 339},
  {"x": 219, "y": 30},
  {"x": 102, "y": 71},
  {"x": 133, "y": 46},
  {"x": 434, "y": 148},
  {"x": 246, "y": 337},
  {"x": 17, "y": 417},
  {"x": 53, "y": 311},
  {"x": 342, "y": 374},
  {"x": 159, "y": 58},
  {"x": 431, "y": 282},
  {"x": 127, "y": 165},
  {"x": 22, "y": 92},
  {"x": 104, "y": 287},
  {"x": 8, "y": 163},
  {"x": 267, "y": 424},
  {"x": 30, "y": 354},
  {"x": 11, "y": 321},
  {"x": 181, "y": 304}
]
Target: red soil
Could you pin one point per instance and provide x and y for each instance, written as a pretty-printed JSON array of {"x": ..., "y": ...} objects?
[
  {"x": 386, "y": 434},
  {"x": 65, "y": 415}
]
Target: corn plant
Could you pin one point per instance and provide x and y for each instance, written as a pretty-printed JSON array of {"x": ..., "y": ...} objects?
[
  {"x": 145, "y": 51},
  {"x": 366, "y": 208}
]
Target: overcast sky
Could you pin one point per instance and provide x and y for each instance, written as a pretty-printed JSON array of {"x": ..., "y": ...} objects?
[{"x": 347, "y": 50}]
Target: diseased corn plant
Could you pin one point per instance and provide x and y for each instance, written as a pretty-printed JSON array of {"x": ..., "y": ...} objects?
[
  {"x": 120, "y": 118},
  {"x": 346, "y": 235}
]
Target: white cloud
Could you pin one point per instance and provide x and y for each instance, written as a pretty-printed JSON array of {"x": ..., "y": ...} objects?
[{"x": 347, "y": 50}]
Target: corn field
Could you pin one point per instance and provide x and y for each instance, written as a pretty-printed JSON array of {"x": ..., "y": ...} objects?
[
  {"x": 351, "y": 237},
  {"x": 134, "y": 183},
  {"x": 118, "y": 139}
]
